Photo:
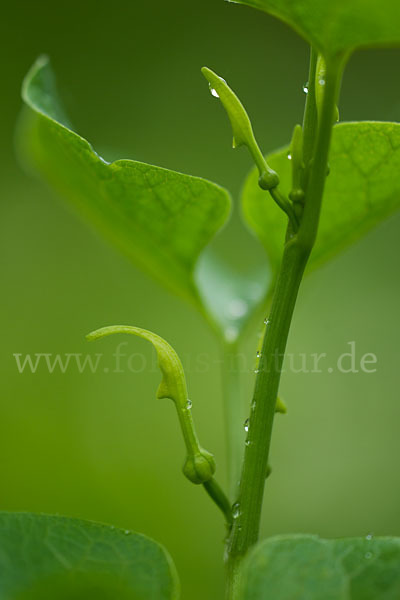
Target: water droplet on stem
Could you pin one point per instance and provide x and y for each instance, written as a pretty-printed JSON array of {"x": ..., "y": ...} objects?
[{"x": 236, "y": 510}]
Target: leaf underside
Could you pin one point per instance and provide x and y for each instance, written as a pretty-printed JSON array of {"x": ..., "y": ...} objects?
[
  {"x": 305, "y": 567},
  {"x": 340, "y": 26},
  {"x": 362, "y": 189},
  {"x": 46, "y": 557},
  {"x": 160, "y": 218}
]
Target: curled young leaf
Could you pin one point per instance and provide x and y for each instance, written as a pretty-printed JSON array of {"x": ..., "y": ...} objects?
[
  {"x": 243, "y": 134},
  {"x": 199, "y": 465}
]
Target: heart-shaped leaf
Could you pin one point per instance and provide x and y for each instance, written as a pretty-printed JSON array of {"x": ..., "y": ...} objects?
[
  {"x": 336, "y": 28},
  {"x": 363, "y": 188},
  {"x": 44, "y": 557},
  {"x": 161, "y": 219},
  {"x": 306, "y": 567}
]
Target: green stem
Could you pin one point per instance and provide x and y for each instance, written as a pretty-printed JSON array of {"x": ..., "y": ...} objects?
[
  {"x": 216, "y": 493},
  {"x": 249, "y": 503},
  {"x": 286, "y": 206},
  {"x": 310, "y": 120},
  {"x": 316, "y": 182},
  {"x": 297, "y": 250},
  {"x": 233, "y": 414}
]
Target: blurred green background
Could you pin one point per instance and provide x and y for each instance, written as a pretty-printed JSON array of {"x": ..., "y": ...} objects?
[{"x": 99, "y": 446}]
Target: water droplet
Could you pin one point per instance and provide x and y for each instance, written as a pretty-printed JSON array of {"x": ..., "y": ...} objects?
[
  {"x": 246, "y": 424},
  {"x": 256, "y": 371},
  {"x": 266, "y": 321},
  {"x": 188, "y": 404},
  {"x": 237, "y": 308},
  {"x": 289, "y": 156},
  {"x": 248, "y": 443},
  {"x": 305, "y": 88},
  {"x": 213, "y": 91},
  {"x": 369, "y": 536},
  {"x": 258, "y": 354},
  {"x": 236, "y": 510},
  {"x": 368, "y": 555},
  {"x": 127, "y": 532},
  {"x": 321, "y": 82}
]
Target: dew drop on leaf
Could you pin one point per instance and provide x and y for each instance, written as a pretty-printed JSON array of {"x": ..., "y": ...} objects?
[
  {"x": 246, "y": 425},
  {"x": 188, "y": 404},
  {"x": 213, "y": 92},
  {"x": 305, "y": 88}
]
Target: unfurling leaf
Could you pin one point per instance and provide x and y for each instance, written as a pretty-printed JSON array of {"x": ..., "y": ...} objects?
[
  {"x": 241, "y": 127},
  {"x": 199, "y": 466}
]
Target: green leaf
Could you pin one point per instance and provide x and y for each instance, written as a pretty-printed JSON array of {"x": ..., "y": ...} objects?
[
  {"x": 338, "y": 27},
  {"x": 173, "y": 383},
  {"x": 363, "y": 188},
  {"x": 241, "y": 126},
  {"x": 55, "y": 557},
  {"x": 161, "y": 219},
  {"x": 231, "y": 297},
  {"x": 305, "y": 567}
]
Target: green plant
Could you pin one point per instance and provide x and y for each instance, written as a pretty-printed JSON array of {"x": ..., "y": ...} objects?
[{"x": 163, "y": 221}]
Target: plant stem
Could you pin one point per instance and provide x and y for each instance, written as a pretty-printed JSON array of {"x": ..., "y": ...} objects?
[
  {"x": 310, "y": 119},
  {"x": 249, "y": 503},
  {"x": 216, "y": 493},
  {"x": 297, "y": 250},
  {"x": 233, "y": 414}
]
